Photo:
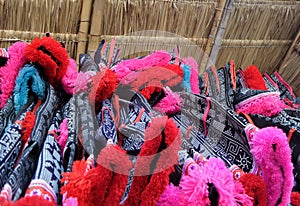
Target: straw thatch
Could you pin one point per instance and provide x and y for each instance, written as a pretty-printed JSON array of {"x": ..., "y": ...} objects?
[
  {"x": 26, "y": 19},
  {"x": 260, "y": 32},
  {"x": 290, "y": 67}
]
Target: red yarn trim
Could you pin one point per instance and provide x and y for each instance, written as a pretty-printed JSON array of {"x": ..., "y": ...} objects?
[
  {"x": 233, "y": 74},
  {"x": 4, "y": 202},
  {"x": 28, "y": 123},
  {"x": 98, "y": 179},
  {"x": 118, "y": 184},
  {"x": 153, "y": 79}
]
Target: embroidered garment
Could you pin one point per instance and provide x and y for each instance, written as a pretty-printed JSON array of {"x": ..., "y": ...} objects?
[
  {"x": 25, "y": 168},
  {"x": 107, "y": 129},
  {"x": 49, "y": 167},
  {"x": 10, "y": 147},
  {"x": 86, "y": 122},
  {"x": 71, "y": 150},
  {"x": 6, "y": 114},
  {"x": 214, "y": 131}
]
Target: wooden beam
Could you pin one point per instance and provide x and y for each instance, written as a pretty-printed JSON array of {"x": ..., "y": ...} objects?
[{"x": 84, "y": 27}]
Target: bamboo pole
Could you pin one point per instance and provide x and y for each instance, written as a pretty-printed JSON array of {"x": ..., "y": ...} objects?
[
  {"x": 285, "y": 61},
  {"x": 96, "y": 25},
  {"x": 199, "y": 41},
  {"x": 13, "y": 36},
  {"x": 255, "y": 43},
  {"x": 221, "y": 30},
  {"x": 218, "y": 14},
  {"x": 141, "y": 38},
  {"x": 84, "y": 28}
]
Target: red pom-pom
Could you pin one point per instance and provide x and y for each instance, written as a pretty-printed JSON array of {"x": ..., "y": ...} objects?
[
  {"x": 81, "y": 186},
  {"x": 33, "y": 201},
  {"x": 51, "y": 56},
  {"x": 255, "y": 187},
  {"x": 254, "y": 78},
  {"x": 295, "y": 199},
  {"x": 103, "y": 86}
]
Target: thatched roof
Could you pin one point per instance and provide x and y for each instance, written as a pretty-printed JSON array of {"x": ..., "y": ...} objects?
[{"x": 260, "y": 32}]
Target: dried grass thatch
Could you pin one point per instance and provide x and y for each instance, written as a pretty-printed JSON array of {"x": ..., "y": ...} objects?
[
  {"x": 290, "y": 68},
  {"x": 265, "y": 30},
  {"x": 26, "y": 19},
  {"x": 260, "y": 32}
]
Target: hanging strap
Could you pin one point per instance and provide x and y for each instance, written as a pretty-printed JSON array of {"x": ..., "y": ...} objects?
[
  {"x": 138, "y": 118},
  {"x": 214, "y": 71},
  {"x": 204, "y": 119},
  {"x": 111, "y": 52},
  {"x": 188, "y": 132},
  {"x": 206, "y": 83},
  {"x": 291, "y": 134},
  {"x": 233, "y": 74},
  {"x": 246, "y": 116},
  {"x": 103, "y": 50},
  {"x": 177, "y": 55}
]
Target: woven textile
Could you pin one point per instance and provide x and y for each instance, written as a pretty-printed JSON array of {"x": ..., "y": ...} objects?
[
  {"x": 219, "y": 134},
  {"x": 22, "y": 174}
]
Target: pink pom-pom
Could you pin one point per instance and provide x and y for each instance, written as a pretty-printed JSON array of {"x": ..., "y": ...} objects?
[
  {"x": 70, "y": 77},
  {"x": 170, "y": 104},
  {"x": 9, "y": 72},
  {"x": 83, "y": 79},
  {"x": 170, "y": 197},
  {"x": 268, "y": 104},
  {"x": 157, "y": 58},
  {"x": 272, "y": 153}
]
